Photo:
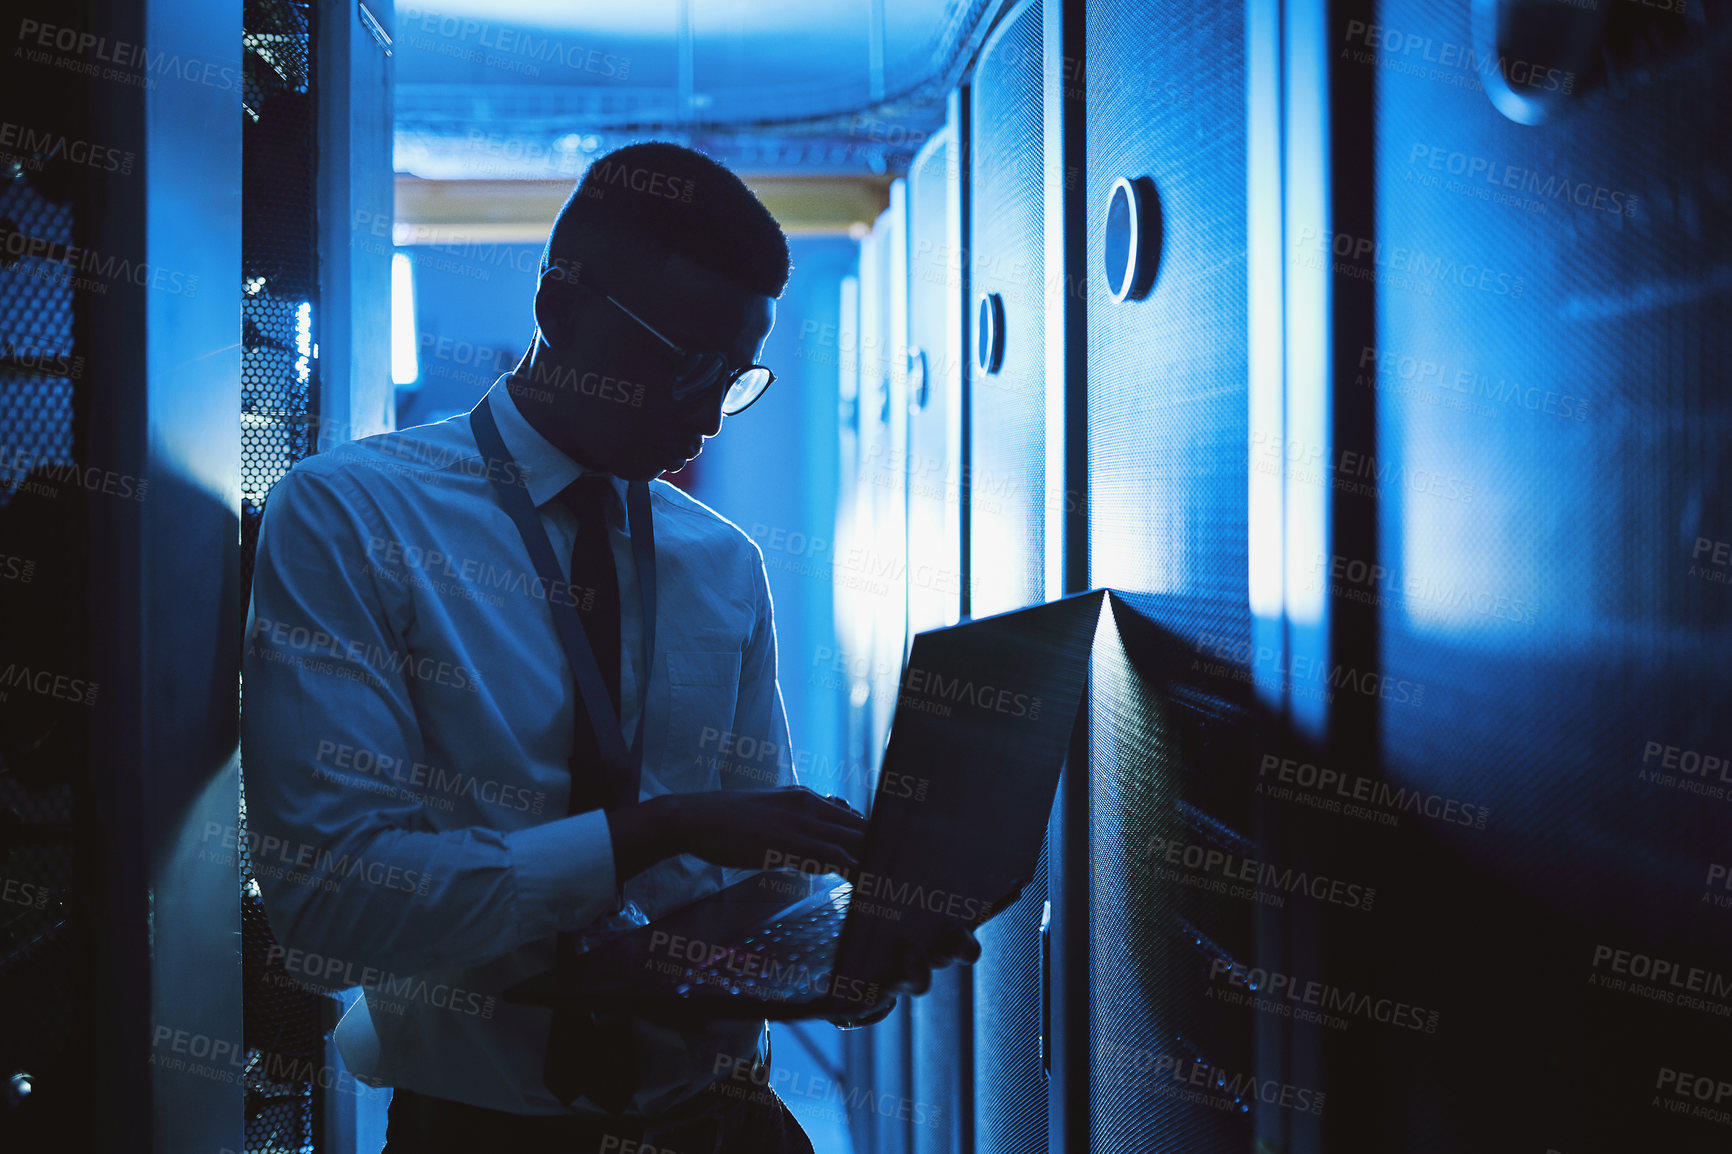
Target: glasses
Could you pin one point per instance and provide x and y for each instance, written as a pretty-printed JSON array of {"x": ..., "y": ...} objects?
[{"x": 700, "y": 372}]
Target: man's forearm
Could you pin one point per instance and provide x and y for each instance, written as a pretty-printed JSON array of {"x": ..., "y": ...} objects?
[{"x": 643, "y": 834}]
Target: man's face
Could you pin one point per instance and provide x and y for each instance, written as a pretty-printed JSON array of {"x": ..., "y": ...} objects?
[{"x": 606, "y": 388}]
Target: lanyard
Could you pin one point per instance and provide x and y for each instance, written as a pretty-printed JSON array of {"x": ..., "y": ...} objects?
[{"x": 624, "y": 768}]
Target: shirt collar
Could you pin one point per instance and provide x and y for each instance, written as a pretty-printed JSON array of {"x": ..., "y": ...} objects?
[{"x": 547, "y": 470}]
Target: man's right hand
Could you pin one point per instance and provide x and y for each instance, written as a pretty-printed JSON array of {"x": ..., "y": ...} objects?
[{"x": 741, "y": 828}]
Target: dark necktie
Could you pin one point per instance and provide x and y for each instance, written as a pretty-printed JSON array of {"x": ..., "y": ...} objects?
[
  {"x": 592, "y": 1055},
  {"x": 594, "y": 580}
]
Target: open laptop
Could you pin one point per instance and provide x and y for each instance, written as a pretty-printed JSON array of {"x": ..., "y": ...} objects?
[{"x": 982, "y": 721}]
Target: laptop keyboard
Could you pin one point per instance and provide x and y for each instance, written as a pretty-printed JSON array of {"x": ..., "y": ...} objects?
[{"x": 780, "y": 958}]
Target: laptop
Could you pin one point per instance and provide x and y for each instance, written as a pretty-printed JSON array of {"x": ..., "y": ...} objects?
[{"x": 983, "y": 718}]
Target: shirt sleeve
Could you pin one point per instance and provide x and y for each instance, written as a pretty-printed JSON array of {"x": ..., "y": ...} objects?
[
  {"x": 759, "y": 712},
  {"x": 347, "y": 871}
]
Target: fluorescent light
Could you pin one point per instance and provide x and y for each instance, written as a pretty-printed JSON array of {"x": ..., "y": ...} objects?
[{"x": 405, "y": 358}]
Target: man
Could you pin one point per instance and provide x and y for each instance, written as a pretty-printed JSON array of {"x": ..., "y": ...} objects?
[{"x": 422, "y": 750}]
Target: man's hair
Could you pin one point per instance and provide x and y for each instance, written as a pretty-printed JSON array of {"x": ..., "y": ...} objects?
[{"x": 665, "y": 198}]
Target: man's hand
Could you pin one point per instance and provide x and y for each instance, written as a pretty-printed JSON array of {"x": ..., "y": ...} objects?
[
  {"x": 911, "y": 972},
  {"x": 912, "y": 966},
  {"x": 741, "y": 828}
]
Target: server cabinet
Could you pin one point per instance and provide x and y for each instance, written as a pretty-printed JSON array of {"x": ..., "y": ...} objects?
[
  {"x": 941, "y": 1064},
  {"x": 1535, "y": 208},
  {"x": 1171, "y": 1067},
  {"x": 874, "y": 573},
  {"x": 119, "y": 614},
  {"x": 1006, "y": 544}
]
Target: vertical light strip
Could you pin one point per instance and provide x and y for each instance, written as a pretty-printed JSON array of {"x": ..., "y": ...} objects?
[
  {"x": 848, "y": 497},
  {"x": 956, "y": 359},
  {"x": 405, "y": 356},
  {"x": 1053, "y": 79},
  {"x": 1266, "y": 262},
  {"x": 875, "y": 51},
  {"x": 1306, "y": 453},
  {"x": 686, "y": 77},
  {"x": 891, "y": 544}
]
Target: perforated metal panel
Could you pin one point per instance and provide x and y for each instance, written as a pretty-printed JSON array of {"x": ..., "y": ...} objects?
[
  {"x": 279, "y": 417},
  {"x": 279, "y": 254},
  {"x": 935, "y": 265},
  {"x": 1549, "y": 392},
  {"x": 1006, "y": 259},
  {"x": 1006, "y": 542},
  {"x": 1010, "y": 1107},
  {"x": 48, "y": 843},
  {"x": 1167, "y": 496},
  {"x": 934, "y": 563},
  {"x": 1167, "y": 1064}
]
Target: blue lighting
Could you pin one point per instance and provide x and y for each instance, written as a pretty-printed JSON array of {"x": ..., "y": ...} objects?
[{"x": 405, "y": 359}]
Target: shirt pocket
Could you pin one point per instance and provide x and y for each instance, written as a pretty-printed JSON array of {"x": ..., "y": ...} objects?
[{"x": 703, "y": 687}]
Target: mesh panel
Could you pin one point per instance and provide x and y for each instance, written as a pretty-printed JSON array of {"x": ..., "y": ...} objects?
[
  {"x": 1006, "y": 542},
  {"x": 278, "y": 256},
  {"x": 279, "y": 421},
  {"x": 1010, "y": 1085},
  {"x": 1167, "y": 519},
  {"x": 48, "y": 851},
  {"x": 36, "y": 357},
  {"x": 1007, "y": 245},
  {"x": 1569, "y": 394},
  {"x": 934, "y": 564},
  {"x": 934, "y": 283},
  {"x": 1154, "y": 936}
]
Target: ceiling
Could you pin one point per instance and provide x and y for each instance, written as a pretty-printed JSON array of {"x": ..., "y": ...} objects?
[{"x": 534, "y": 89}]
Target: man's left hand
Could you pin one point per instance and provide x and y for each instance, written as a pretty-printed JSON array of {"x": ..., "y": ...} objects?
[{"x": 911, "y": 971}]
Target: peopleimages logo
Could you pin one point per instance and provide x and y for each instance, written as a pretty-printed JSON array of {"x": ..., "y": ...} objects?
[
  {"x": 1208, "y": 860},
  {"x": 484, "y": 575},
  {"x": 275, "y": 641},
  {"x": 959, "y": 690},
  {"x": 1293, "y": 997},
  {"x": 1322, "y": 780},
  {"x": 646, "y": 180},
  {"x": 305, "y": 864},
  {"x": 1499, "y": 176},
  {"x": 384, "y": 988},
  {"x": 1675, "y": 979},
  {"x": 1124, "y": 1065},
  {"x": 36, "y": 147},
  {"x": 1407, "y": 261},
  {"x": 47, "y": 683},
  {"x": 85, "y": 268},
  {"x": 871, "y": 887},
  {"x": 131, "y": 63},
  {"x": 396, "y": 772},
  {"x": 497, "y": 43},
  {"x": 1409, "y": 53},
  {"x": 1696, "y": 1091}
]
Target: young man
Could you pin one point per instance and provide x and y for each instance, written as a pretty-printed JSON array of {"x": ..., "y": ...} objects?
[{"x": 447, "y": 800}]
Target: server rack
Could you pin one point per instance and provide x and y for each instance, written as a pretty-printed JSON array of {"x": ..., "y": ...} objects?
[
  {"x": 1168, "y": 521},
  {"x": 942, "y": 1063},
  {"x": 1006, "y": 537},
  {"x": 1544, "y": 377}
]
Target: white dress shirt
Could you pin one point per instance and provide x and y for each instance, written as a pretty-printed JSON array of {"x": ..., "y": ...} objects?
[{"x": 408, "y": 717}]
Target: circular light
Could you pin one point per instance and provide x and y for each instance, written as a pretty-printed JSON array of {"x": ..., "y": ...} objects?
[
  {"x": 989, "y": 340},
  {"x": 1132, "y": 238},
  {"x": 918, "y": 385},
  {"x": 19, "y": 1088}
]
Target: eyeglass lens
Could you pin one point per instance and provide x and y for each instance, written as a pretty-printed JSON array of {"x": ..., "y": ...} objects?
[
  {"x": 703, "y": 370},
  {"x": 746, "y": 388}
]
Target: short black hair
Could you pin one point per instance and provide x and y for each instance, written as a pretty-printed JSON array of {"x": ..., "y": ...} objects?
[{"x": 673, "y": 199}]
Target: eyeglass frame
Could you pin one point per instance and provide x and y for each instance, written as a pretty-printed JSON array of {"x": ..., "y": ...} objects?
[{"x": 679, "y": 350}]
